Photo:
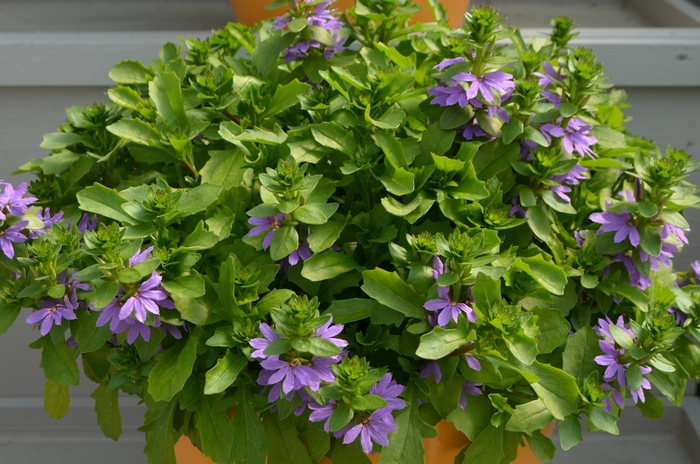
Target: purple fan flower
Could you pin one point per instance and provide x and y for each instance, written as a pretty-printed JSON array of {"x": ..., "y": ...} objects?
[
  {"x": 573, "y": 177},
  {"x": 448, "y": 96},
  {"x": 135, "y": 329},
  {"x": 439, "y": 268},
  {"x": 580, "y": 239},
  {"x": 12, "y": 235},
  {"x": 86, "y": 223},
  {"x": 72, "y": 285},
  {"x": 472, "y": 362},
  {"x": 561, "y": 191},
  {"x": 486, "y": 84},
  {"x": 321, "y": 413},
  {"x": 322, "y": 17},
  {"x": 549, "y": 76},
  {"x": 262, "y": 225},
  {"x": 281, "y": 22},
  {"x": 469, "y": 388},
  {"x": 638, "y": 395},
  {"x": 616, "y": 396},
  {"x": 292, "y": 374},
  {"x": 678, "y": 232},
  {"x": 448, "y": 309},
  {"x": 472, "y": 130},
  {"x": 47, "y": 219},
  {"x": 620, "y": 223},
  {"x": 139, "y": 256},
  {"x": 680, "y": 316},
  {"x": 13, "y": 201},
  {"x": 148, "y": 297},
  {"x": 52, "y": 313},
  {"x": 261, "y": 344},
  {"x": 388, "y": 389},
  {"x": 328, "y": 332},
  {"x": 516, "y": 207},
  {"x": 603, "y": 328},
  {"x": 172, "y": 330},
  {"x": 301, "y": 253},
  {"x": 432, "y": 368},
  {"x": 110, "y": 313},
  {"x": 376, "y": 427},
  {"x": 695, "y": 266},
  {"x": 444, "y": 64},
  {"x": 667, "y": 251},
  {"x": 498, "y": 111},
  {"x": 610, "y": 358},
  {"x": 577, "y": 138},
  {"x": 636, "y": 278}
]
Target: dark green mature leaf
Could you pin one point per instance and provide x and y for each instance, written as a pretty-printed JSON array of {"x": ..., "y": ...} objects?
[
  {"x": 225, "y": 168},
  {"x": 487, "y": 448},
  {"x": 8, "y": 316},
  {"x": 136, "y": 131},
  {"x": 580, "y": 352},
  {"x": 390, "y": 290},
  {"x": 285, "y": 97},
  {"x": 58, "y": 362},
  {"x": 541, "y": 446},
  {"x": 317, "y": 441},
  {"x": 107, "y": 409},
  {"x": 224, "y": 373},
  {"x": 90, "y": 337},
  {"x": 284, "y": 242},
  {"x": 250, "y": 443},
  {"x": 398, "y": 180},
  {"x": 268, "y": 52},
  {"x": 334, "y": 136},
  {"x": 172, "y": 369},
  {"x": 351, "y": 310},
  {"x": 56, "y": 400},
  {"x": 342, "y": 415},
  {"x": 569, "y": 432},
  {"x": 105, "y": 202},
  {"x": 187, "y": 286},
  {"x": 529, "y": 417},
  {"x": 493, "y": 158},
  {"x": 325, "y": 266},
  {"x": 160, "y": 434},
  {"x": 348, "y": 454},
  {"x": 315, "y": 213},
  {"x": 603, "y": 420},
  {"x": 285, "y": 446},
  {"x": 323, "y": 236},
  {"x": 193, "y": 201},
  {"x": 406, "y": 443},
  {"x": 440, "y": 342},
  {"x": 553, "y": 327},
  {"x": 166, "y": 93},
  {"x": 214, "y": 430},
  {"x": 523, "y": 347},
  {"x": 548, "y": 274},
  {"x": 473, "y": 419},
  {"x": 652, "y": 408},
  {"x": 436, "y": 140},
  {"x": 57, "y": 140},
  {"x": 511, "y": 130},
  {"x": 392, "y": 148}
]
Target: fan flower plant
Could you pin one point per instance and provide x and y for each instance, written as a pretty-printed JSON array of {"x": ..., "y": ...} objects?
[{"x": 321, "y": 236}]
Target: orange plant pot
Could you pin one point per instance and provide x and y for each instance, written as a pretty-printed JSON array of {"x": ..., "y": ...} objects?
[
  {"x": 439, "y": 450},
  {"x": 250, "y": 12}
]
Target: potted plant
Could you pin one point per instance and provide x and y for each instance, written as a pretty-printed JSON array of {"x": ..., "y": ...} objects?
[{"x": 318, "y": 240}]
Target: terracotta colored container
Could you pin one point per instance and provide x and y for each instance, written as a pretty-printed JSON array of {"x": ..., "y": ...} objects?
[
  {"x": 439, "y": 450},
  {"x": 251, "y": 11}
]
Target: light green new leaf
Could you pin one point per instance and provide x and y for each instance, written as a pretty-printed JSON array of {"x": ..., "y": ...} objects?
[
  {"x": 440, "y": 342},
  {"x": 59, "y": 363},
  {"x": 529, "y": 417},
  {"x": 390, "y": 290},
  {"x": 325, "y": 266},
  {"x": 57, "y": 140},
  {"x": 130, "y": 72},
  {"x": 137, "y": 131},
  {"x": 107, "y": 409},
  {"x": 56, "y": 399},
  {"x": 225, "y": 168},
  {"x": 105, "y": 202},
  {"x": 548, "y": 274},
  {"x": 285, "y": 97}
]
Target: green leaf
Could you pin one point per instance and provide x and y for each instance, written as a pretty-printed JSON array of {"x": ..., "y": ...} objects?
[
  {"x": 406, "y": 442},
  {"x": 334, "y": 136},
  {"x": 634, "y": 376},
  {"x": 622, "y": 338},
  {"x": 580, "y": 352},
  {"x": 105, "y": 202},
  {"x": 398, "y": 181},
  {"x": 511, "y": 130},
  {"x": 233, "y": 133},
  {"x": 56, "y": 400},
  {"x": 8, "y": 316},
  {"x": 548, "y": 274},
  {"x": 557, "y": 204},
  {"x": 650, "y": 241},
  {"x": 136, "y": 131},
  {"x": 225, "y": 168},
  {"x": 187, "y": 286},
  {"x": 285, "y": 446},
  {"x": 652, "y": 408},
  {"x": 322, "y": 347},
  {"x": 608, "y": 138},
  {"x": 315, "y": 213},
  {"x": 603, "y": 420},
  {"x": 474, "y": 418},
  {"x": 172, "y": 369},
  {"x": 107, "y": 409},
  {"x": 325, "y": 266},
  {"x": 487, "y": 448},
  {"x": 273, "y": 300},
  {"x": 390, "y": 290},
  {"x": 285, "y": 97},
  {"x": 436, "y": 140},
  {"x": 493, "y": 158},
  {"x": 267, "y": 52},
  {"x": 224, "y": 373},
  {"x": 523, "y": 347},
  {"x": 323, "y": 236},
  {"x": 90, "y": 337},
  {"x": 284, "y": 242},
  {"x": 647, "y": 209},
  {"x": 529, "y": 417},
  {"x": 130, "y": 72},
  {"x": 194, "y": 310},
  {"x": 455, "y": 116},
  {"x": 394, "y": 55},
  {"x": 350, "y": 310},
  {"x": 440, "y": 342},
  {"x": 57, "y": 140},
  {"x": 215, "y": 430},
  {"x": 392, "y": 148},
  {"x": 193, "y": 201},
  {"x": 342, "y": 415},
  {"x": 541, "y": 446},
  {"x": 250, "y": 443},
  {"x": 166, "y": 93},
  {"x": 160, "y": 433},
  {"x": 553, "y": 327},
  {"x": 59, "y": 363},
  {"x": 569, "y": 432},
  {"x": 279, "y": 346},
  {"x": 568, "y": 109},
  {"x": 105, "y": 294},
  {"x": 126, "y": 97}
]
